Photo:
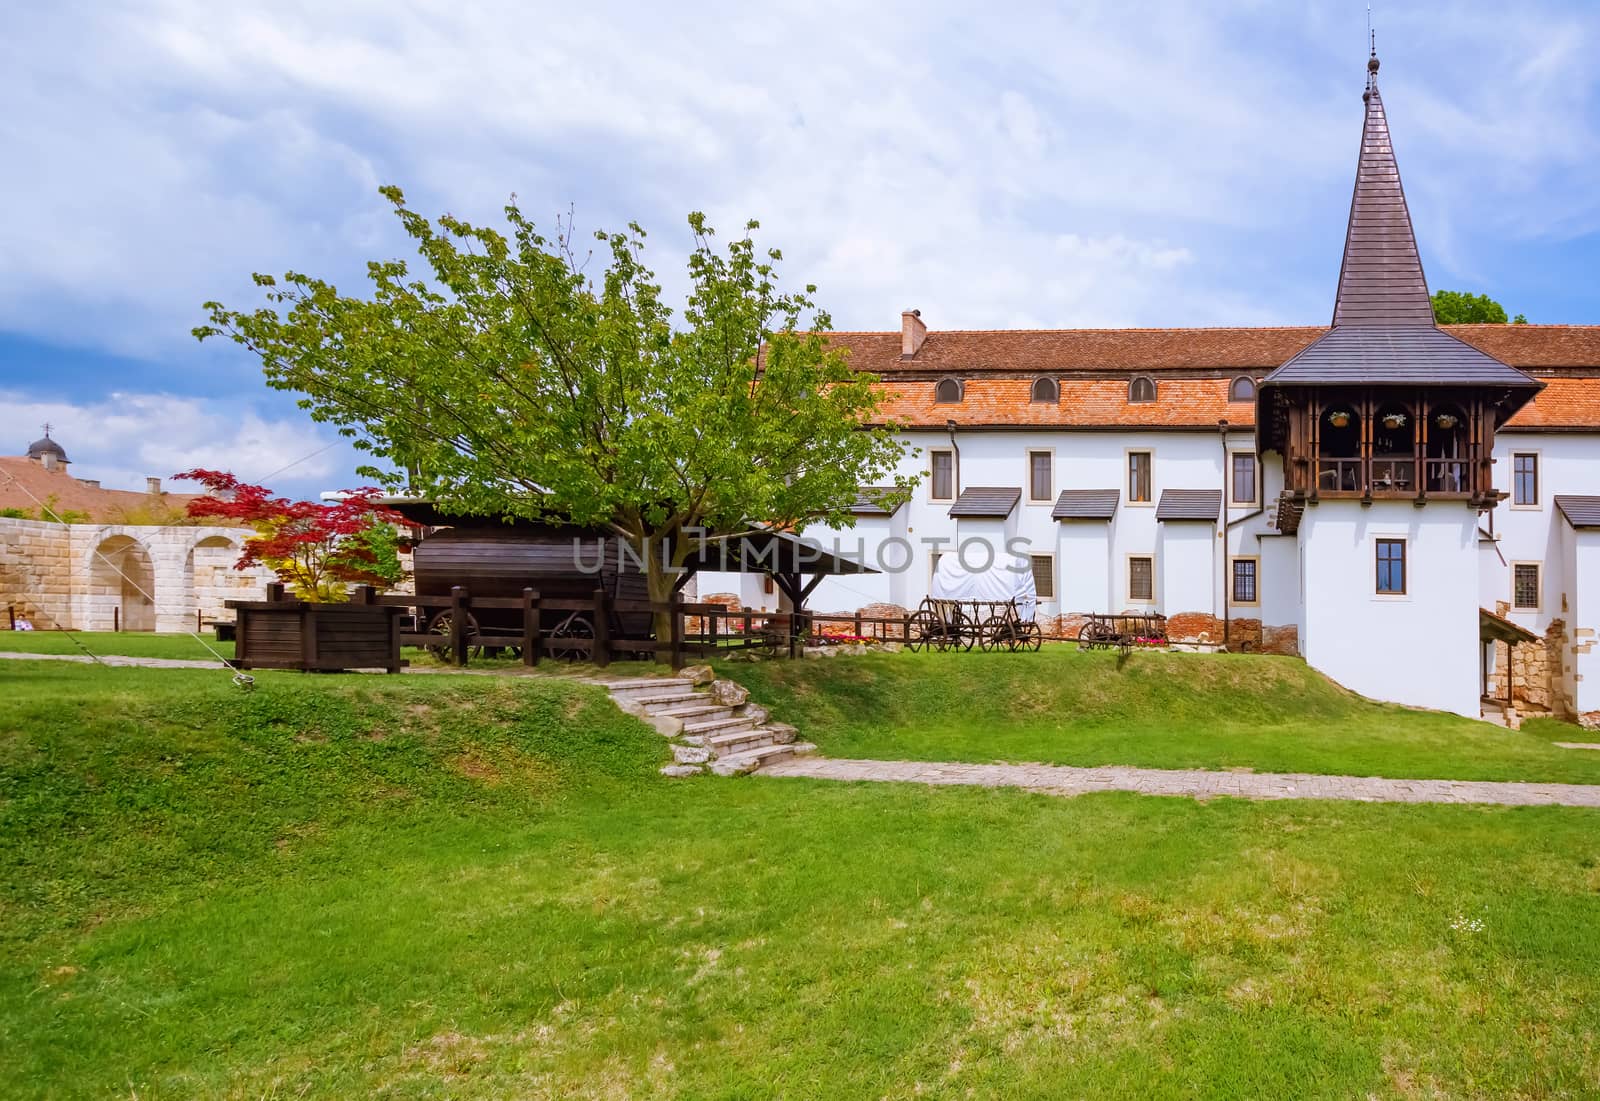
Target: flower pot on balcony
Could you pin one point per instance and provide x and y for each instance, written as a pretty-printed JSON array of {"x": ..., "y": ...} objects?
[
  {"x": 1394, "y": 420},
  {"x": 1446, "y": 420},
  {"x": 1339, "y": 418}
]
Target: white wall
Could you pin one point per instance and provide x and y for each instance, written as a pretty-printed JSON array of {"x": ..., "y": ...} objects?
[
  {"x": 1420, "y": 648},
  {"x": 1091, "y": 556},
  {"x": 1567, "y": 464},
  {"x": 1083, "y": 566},
  {"x": 1186, "y": 563},
  {"x": 1583, "y": 623}
]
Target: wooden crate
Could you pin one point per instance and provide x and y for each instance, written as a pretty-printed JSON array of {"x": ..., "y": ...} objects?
[{"x": 297, "y": 634}]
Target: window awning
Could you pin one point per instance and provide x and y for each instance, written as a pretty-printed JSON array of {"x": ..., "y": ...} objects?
[
  {"x": 1189, "y": 504},
  {"x": 1086, "y": 504},
  {"x": 992, "y": 502}
]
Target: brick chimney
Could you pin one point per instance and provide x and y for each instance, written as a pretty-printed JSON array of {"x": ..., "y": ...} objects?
[
  {"x": 912, "y": 333},
  {"x": 152, "y": 486}
]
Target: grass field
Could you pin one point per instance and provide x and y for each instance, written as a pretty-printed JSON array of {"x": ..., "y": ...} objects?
[
  {"x": 1214, "y": 711},
  {"x": 132, "y": 644},
  {"x": 466, "y": 887}
]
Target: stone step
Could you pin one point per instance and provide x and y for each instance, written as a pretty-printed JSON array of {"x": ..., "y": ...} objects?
[
  {"x": 639, "y": 682},
  {"x": 720, "y": 726},
  {"x": 740, "y": 740},
  {"x": 695, "y": 712},
  {"x": 646, "y": 686},
  {"x": 668, "y": 699},
  {"x": 739, "y": 764}
]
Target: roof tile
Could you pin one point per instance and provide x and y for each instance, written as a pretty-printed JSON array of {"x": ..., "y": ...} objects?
[
  {"x": 993, "y": 502},
  {"x": 1189, "y": 504},
  {"x": 1086, "y": 504}
]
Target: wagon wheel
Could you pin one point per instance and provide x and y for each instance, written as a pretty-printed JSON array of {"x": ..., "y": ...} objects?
[
  {"x": 440, "y": 625},
  {"x": 995, "y": 634},
  {"x": 925, "y": 630},
  {"x": 965, "y": 630},
  {"x": 574, "y": 626},
  {"x": 1094, "y": 634},
  {"x": 1028, "y": 637}
]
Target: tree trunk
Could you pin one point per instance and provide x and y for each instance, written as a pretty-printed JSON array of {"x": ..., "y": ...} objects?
[{"x": 661, "y": 581}]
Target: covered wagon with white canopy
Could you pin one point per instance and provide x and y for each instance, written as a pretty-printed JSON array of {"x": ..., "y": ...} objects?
[{"x": 991, "y": 608}]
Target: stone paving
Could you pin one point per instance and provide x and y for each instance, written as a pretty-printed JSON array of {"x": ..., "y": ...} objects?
[
  {"x": 1067, "y": 780},
  {"x": 115, "y": 659},
  {"x": 1579, "y": 745}
]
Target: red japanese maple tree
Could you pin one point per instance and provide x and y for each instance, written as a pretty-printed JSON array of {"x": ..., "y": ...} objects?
[{"x": 318, "y": 550}]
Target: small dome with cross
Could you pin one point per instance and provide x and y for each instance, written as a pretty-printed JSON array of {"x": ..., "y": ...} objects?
[{"x": 39, "y": 448}]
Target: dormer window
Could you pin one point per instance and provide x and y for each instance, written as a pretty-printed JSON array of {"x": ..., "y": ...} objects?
[
  {"x": 947, "y": 391},
  {"x": 1045, "y": 390},
  {"x": 1142, "y": 389},
  {"x": 1242, "y": 388}
]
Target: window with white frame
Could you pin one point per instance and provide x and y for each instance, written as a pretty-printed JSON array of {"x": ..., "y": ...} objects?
[
  {"x": 1525, "y": 586},
  {"x": 1391, "y": 563},
  {"x": 942, "y": 475},
  {"x": 1041, "y": 476},
  {"x": 1044, "y": 576},
  {"x": 1244, "y": 478},
  {"x": 1141, "y": 578},
  {"x": 1139, "y": 466},
  {"x": 1525, "y": 479},
  {"x": 1246, "y": 573}
]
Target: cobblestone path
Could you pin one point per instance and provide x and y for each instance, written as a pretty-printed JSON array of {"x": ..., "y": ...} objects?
[{"x": 1067, "y": 780}]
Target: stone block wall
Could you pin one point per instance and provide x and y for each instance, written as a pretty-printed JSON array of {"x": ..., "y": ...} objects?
[
  {"x": 1535, "y": 669},
  {"x": 88, "y": 577},
  {"x": 36, "y": 572}
]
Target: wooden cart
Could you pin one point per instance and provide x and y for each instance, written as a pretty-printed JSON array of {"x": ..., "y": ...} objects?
[
  {"x": 941, "y": 624},
  {"x": 1102, "y": 632}
]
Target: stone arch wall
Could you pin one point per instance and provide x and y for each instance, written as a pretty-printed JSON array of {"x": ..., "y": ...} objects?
[
  {"x": 120, "y": 586},
  {"x": 52, "y": 574}
]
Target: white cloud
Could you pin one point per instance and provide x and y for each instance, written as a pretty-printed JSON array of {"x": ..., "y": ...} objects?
[
  {"x": 126, "y": 438},
  {"x": 1087, "y": 164}
]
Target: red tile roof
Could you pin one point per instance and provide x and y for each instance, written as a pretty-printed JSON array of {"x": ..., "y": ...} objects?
[
  {"x": 24, "y": 482},
  {"x": 1052, "y": 350},
  {"x": 1192, "y": 367}
]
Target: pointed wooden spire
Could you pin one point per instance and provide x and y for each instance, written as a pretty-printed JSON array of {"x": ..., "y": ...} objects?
[{"x": 1381, "y": 284}]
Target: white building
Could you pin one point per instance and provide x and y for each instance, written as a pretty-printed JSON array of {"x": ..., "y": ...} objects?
[{"x": 1382, "y": 496}]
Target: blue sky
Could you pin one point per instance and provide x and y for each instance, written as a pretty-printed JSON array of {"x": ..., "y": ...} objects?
[{"x": 1130, "y": 163}]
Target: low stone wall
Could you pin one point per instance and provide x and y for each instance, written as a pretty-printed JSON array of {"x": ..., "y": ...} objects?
[
  {"x": 89, "y": 577},
  {"x": 36, "y": 572}
]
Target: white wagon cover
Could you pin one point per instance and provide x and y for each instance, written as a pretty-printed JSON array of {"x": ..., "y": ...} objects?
[{"x": 1009, "y": 578}]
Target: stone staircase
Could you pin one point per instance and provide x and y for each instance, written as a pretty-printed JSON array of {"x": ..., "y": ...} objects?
[{"x": 711, "y": 723}]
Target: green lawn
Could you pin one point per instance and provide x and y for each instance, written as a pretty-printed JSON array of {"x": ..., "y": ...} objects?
[
  {"x": 1213, "y": 711},
  {"x": 131, "y": 644},
  {"x": 462, "y": 887}
]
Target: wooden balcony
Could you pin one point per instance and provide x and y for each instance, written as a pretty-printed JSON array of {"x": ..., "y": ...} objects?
[{"x": 1387, "y": 444}]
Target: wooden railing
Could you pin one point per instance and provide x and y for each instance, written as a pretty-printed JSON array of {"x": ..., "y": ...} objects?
[
  {"x": 600, "y": 640},
  {"x": 521, "y": 624}
]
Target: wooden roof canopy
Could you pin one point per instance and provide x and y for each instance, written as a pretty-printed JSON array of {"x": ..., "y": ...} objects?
[
  {"x": 1384, "y": 332},
  {"x": 755, "y": 551}
]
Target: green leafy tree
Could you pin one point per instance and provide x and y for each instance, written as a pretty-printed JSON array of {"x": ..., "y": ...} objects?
[
  {"x": 507, "y": 381},
  {"x": 1463, "y": 308}
]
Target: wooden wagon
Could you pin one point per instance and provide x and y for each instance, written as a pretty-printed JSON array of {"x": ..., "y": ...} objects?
[
  {"x": 1103, "y": 632},
  {"x": 940, "y": 624},
  {"x": 563, "y": 564}
]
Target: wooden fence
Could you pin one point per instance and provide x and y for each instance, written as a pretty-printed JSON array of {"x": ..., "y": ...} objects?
[
  {"x": 615, "y": 628},
  {"x": 520, "y": 623}
]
